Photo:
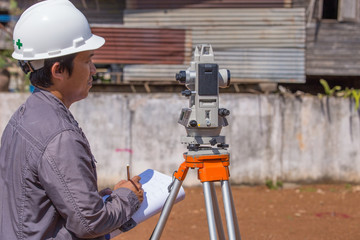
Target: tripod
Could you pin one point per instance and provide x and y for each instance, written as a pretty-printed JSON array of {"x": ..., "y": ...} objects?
[
  {"x": 212, "y": 164},
  {"x": 203, "y": 120}
]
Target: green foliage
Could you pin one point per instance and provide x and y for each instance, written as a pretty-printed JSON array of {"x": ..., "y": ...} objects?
[
  {"x": 356, "y": 96},
  {"x": 14, "y": 9},
  {"x": 307, "y": 189},
  {"x": 329, "y": 91},
  {"x": 273, "y": 186},
  {"x": 348, "y": 187},
  {"x": 337, "y": 92},
  {"x": 5, "y": 58},
  {"x": 5, "y": 55},
  {"x": 13, "y": 4}
]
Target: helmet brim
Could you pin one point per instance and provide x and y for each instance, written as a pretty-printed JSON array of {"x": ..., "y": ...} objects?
[{"x": 92, "y": 43}]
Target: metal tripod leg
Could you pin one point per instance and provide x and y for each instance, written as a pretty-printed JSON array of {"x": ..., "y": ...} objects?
[
  {"x": 209, "y": 210},
  {"x": 230, "y": 214},
  {"x": 237, "y": 230},
  {"x": 213, "y": 212},
  {"x": 166, "y": 210},
  {"x": 219, "y": 226}
]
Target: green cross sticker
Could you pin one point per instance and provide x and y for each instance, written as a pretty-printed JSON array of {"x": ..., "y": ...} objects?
[{"x": 19, "y": 44}]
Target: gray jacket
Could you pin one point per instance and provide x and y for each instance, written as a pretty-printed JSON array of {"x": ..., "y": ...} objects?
[{"x": 48, "y": 185}]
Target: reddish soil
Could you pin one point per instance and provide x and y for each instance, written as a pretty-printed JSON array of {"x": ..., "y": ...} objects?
[{"x": 308, "y": 212}]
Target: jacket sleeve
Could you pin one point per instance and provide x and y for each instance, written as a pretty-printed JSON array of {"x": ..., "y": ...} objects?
[{"x": 67, "y": 173}]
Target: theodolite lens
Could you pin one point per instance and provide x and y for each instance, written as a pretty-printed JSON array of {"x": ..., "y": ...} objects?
[
  {"x": 224, "y": 112},
  {"x": 193, "y": 123},
  {"x": 181, "y": 76}
]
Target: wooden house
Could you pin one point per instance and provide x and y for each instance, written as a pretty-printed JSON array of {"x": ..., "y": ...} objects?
[{"x": 259, "y": 41}]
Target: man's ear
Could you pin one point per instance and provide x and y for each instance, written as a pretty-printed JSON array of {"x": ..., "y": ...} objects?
[{"x": 56, "y": 72}]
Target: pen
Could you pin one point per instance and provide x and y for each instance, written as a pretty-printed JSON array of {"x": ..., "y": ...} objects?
[
  {"x": 128, "y": 177},
  {"x": 128, "y": 171}
]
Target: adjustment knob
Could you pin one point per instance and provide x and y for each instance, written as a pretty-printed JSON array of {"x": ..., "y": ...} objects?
[
  {"x": 186, "y": 93},
  {"x": 193, "y": 123},
  {"x": 223, "y": 145},
  {"x": 193, "y": 147},
  {"x": 213, "y": 141}
]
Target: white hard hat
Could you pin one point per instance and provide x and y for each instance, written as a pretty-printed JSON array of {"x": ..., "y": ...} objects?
[{"x": 50, "y": 29}]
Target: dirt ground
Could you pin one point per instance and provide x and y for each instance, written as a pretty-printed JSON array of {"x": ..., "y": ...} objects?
[{"x": 307, "y": 212}]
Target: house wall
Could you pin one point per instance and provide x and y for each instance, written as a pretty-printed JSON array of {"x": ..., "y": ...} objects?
[
  {"x": 288, "y": 138},
  {"x": 333, "y": 49},
  {"x": 257, "y": 45},
  {"x": 332, "y": 45}
]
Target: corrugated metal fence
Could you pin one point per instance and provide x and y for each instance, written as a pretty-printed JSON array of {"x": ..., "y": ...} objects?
[
  {"x": 257, "y": 45},
  {"x": 144, "y": 46}
]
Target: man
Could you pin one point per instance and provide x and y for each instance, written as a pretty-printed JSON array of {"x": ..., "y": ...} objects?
[{"x": 48, "y": 185}]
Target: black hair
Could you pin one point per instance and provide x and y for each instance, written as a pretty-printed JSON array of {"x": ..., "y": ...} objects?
[{"x": 42, "y": 76}]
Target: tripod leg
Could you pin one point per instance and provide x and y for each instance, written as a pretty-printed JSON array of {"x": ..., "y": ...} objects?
[
  {"x": 230, "y": 214},
  {"x": 237, "y": 230},
  {"x": 166, "y": 210},
  {"x": 219, "y": 226},
  {"x": 209, "y": 210}
]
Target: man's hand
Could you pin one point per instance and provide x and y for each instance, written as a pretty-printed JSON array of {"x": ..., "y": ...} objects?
[
  {"x": 134, "y": 185},
  {"x": 106, "y": 191}
]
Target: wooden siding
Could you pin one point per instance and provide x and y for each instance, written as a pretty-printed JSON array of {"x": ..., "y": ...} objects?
[
  {"x": 300, "y": 3},
  {"x": 96, "y": 11},
  {"x": 101, "y": 11},
  {"x": 168, "y": 4},
  {"x": 257, "y": 45},
  {"x": 141, "y": 46},
  {"x": 333, "y": 50}
]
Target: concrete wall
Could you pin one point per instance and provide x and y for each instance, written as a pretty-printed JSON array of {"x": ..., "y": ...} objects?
[{"x": 293, "y": 139}]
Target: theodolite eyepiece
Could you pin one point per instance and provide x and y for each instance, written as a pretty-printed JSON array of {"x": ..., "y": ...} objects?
[
  {"x": 181, "y": 76},
  {"x": 224, "y": 112}
]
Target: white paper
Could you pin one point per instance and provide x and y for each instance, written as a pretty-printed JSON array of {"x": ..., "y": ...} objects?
[{"x": 155, "y": 185}]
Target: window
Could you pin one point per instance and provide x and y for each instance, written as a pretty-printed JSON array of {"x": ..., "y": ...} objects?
[
  {"x": 348, "y": 10},
  {"x": 330, "y": 9},
  {"x": 341, "y": 10}
]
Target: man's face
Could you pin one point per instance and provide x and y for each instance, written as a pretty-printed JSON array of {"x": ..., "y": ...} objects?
[{"x": 79, "y": 83}]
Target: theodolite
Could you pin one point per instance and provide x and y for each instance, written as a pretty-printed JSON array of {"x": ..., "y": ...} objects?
[{"x": 203, "y": 121}]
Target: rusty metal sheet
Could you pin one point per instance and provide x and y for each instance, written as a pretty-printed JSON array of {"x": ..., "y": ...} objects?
[
  {"x": 257, "y": 45},
  {"x": 141, "y": 46},
  {"x": 230, "y": 28}
]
